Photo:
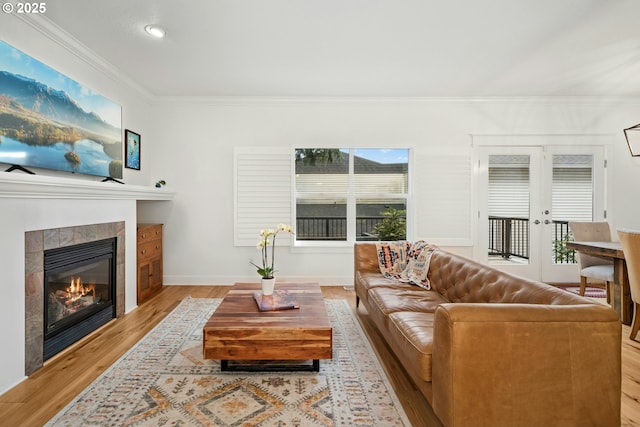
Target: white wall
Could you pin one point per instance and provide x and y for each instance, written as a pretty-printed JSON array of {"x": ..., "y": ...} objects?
[
  {"x": 197, "y": 138},
  {"x": 19, "y": 215}
]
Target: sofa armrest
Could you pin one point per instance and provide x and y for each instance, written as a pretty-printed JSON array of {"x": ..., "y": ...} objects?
[
  {"x": 526, "y": 364},
  {"x": 365, "y": 258}
]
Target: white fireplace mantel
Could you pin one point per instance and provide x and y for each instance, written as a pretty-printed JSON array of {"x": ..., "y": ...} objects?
[{"x": 13, "y": 185}]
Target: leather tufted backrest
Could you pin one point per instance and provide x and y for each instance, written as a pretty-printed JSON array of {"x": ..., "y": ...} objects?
[{"x": 460, "y": 279}]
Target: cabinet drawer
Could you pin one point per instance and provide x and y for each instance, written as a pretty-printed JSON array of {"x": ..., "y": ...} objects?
[
  {"x": 148, "y": 250},
  {"x": 146, "y": 234}
]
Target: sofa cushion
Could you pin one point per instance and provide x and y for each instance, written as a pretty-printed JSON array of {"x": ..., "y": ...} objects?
[
  {"x": 391, "y": 300},
  {"x": 364, "y": 282},
  {"x": 373, "y": 280},
  {"x": 412, "y": 336}
]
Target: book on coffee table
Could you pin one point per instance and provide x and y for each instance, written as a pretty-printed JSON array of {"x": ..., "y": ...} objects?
[{"x": 279, "y": 300}]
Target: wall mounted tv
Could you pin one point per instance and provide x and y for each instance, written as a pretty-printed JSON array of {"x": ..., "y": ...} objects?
[{"x": 50, "y": 121}]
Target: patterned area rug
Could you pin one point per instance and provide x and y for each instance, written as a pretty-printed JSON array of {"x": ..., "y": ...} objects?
[
  {"x": 589, "y": 291},
  {"x": 163, "y": 381}
]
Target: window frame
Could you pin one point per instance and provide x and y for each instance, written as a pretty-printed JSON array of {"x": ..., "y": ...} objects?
[{"x": 351, "y": 197}]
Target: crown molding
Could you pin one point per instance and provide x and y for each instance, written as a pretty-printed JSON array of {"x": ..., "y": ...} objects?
[
  {"x": 293, "y": 100},
  {"x": 53, "y": 32}
]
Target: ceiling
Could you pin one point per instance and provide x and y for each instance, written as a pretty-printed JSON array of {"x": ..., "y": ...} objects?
[{"x": 389, "y": 48}]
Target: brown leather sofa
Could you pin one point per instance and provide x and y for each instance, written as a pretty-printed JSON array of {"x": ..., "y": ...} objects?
[{"x": 487, "y": 348}]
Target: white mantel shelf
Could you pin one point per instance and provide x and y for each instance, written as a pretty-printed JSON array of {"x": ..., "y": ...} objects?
[{"x": 14, "y": 186}]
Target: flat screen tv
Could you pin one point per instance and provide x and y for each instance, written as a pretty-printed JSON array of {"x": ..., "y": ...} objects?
[{"x": 50, "y": 121}]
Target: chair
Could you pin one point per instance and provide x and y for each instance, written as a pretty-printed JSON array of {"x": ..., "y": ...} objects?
[
  {"x": 630, "y": 241},
  {"x": 593, "y": 267}
]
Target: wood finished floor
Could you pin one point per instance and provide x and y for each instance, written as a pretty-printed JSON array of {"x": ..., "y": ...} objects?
[{"x": 34, "y": 401}]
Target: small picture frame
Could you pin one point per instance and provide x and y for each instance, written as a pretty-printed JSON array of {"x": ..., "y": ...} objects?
[{"x": 132, "y": 149}]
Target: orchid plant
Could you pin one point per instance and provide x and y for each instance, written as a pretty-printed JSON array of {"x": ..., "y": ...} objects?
[{"x": 268, "y": 240}]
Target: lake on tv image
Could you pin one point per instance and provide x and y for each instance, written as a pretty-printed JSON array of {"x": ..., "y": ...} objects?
[{"x": 94, "y": 161}]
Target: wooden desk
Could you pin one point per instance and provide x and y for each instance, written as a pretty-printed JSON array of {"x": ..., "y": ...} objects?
[{"x": 622, "y": 302}]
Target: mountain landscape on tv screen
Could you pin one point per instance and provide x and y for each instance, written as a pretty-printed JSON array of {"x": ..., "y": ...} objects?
[{"x": 50, "y": 130}]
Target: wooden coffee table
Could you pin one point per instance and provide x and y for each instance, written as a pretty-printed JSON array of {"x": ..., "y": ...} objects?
[{"x": 238, "y": 331}]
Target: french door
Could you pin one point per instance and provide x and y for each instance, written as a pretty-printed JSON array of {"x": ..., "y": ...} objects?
[{"x": 527, "y": 196}]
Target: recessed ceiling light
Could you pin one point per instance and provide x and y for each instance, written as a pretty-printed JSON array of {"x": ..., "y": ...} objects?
[{"x": 155, "y": 31}]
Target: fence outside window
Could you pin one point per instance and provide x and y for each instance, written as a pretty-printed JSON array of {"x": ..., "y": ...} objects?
[{"x": 331, "y": 228}]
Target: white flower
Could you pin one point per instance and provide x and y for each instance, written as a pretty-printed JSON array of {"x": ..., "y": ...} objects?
[
  {"x": 266, "y": 232},
  {"x": 267, "y": 268},
  {"x": 284, "y": 227}
]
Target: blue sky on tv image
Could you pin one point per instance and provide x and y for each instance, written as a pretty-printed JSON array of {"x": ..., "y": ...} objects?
[{"x": 17, "y": 62}]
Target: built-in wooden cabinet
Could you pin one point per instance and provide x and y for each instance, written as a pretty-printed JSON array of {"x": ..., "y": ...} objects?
[{"x": 149, "y": 264}]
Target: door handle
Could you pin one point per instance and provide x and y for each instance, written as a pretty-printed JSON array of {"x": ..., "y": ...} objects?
[
  {"x": 546, "y": 221},
  {"x": 537, "y": 221}
]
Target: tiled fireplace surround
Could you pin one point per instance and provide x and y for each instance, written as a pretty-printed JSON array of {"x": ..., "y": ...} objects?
[{"x": 36, "y": 242}]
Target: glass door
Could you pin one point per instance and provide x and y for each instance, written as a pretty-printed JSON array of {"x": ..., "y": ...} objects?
[
  {"x": 574, "y": 191},
  {"x": 510, "y": 179},
  {"x": 527, "y": 196}
]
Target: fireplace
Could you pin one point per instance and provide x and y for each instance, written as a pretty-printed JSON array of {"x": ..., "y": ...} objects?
[
  {"x": 79, "y": 292},
  {"x": 83, "y": 245}
]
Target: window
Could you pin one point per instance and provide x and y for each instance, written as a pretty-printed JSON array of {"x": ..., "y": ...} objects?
[
  {"x": 346, "y": 195},
  {"x": 572, "y": 187}
]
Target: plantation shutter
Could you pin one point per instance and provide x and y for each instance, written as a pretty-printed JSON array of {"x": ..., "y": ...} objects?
[
  {"x": 262, "y": 192},
  {"x": 443, "y": 193}
]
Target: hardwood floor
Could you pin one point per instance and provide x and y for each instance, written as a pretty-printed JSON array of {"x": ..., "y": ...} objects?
[{"x": 34, "y": 401}]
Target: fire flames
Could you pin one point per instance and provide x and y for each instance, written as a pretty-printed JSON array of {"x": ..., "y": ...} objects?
[
  {"x": 71, "y": 298},
  {"x": 78, "y": 290}
]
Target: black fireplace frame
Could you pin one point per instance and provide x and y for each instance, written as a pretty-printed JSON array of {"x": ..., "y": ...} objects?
[{"x": 58, "y": 259}]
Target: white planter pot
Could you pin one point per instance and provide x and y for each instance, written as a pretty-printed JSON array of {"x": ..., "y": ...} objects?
[{"x": 268, "y": 285}]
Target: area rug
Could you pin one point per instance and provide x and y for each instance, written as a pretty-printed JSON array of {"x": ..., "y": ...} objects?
[
  {"x": 589, "y": 291},
  {"x": 164, "y": 381}
]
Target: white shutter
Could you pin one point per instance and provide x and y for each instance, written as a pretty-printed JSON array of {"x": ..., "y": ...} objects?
[
  {"x": 262, "y": 192},
  {"x": 443, "y": 196}
]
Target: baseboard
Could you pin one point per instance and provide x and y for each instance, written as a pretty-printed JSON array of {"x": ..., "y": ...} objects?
[{"x": 230, "y": 280}]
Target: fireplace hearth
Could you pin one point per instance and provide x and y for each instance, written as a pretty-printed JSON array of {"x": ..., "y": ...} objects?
[{"x": 79, "y": 294}]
